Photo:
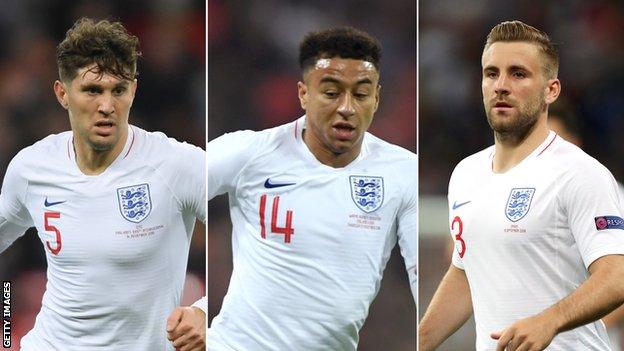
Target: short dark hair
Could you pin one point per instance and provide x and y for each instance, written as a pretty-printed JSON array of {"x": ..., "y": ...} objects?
[
  {"x": 106, "y": 44},
  {"x": 343, "y": 42},
  {"x": 511, "y": 31}
]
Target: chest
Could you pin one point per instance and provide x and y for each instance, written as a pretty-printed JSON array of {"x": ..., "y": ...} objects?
[
  {"x": 315, "y": 207},
  {"x": 100, "y": 219},
  {"x": 506, "y": 215}
]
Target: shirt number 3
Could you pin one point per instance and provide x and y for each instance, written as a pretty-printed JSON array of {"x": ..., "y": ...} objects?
[{"x": 461, "y": 244}]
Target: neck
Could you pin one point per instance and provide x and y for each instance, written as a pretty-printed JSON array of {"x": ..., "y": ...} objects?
[
  {"x": 93, "y": 162},
  {"x": 327, "y": 157},
  {"x": 510, "y": 150}
]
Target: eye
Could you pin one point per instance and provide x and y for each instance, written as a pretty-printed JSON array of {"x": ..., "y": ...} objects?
[
  {"x": 360, "y": 96},
  {"x": 119, "y": 91},
  {"x": 331, "y": 94},
  {"x": 92, "y": 90},
  {"x": 491, "y": 74},
  {"x": 519, "y": 74}
]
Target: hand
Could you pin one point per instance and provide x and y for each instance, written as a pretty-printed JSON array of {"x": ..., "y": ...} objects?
[
  {"x": 186, "y": 329},
  {"x": 529, "y": 334}
]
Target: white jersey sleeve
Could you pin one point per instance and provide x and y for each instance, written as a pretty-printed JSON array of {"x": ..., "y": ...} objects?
[
  {"x": 407, "y": 227},
  {"x": 590, "y": 198},
  {"x": 227, "y": 156},
  {"x": 455, "y": 259},
  {"x": 14, "y": 217},
  {"x": 189, "y": 180}
]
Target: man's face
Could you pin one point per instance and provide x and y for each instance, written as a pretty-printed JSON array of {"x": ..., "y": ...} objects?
[
  {"x": 515, "y": 88},
  {"x": 98, "y": 107},
  {"x": 340, "y": 97}
]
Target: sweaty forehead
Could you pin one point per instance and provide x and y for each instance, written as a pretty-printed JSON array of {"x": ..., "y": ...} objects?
[
  {"x": 92, "y": 75},
  {"x": 346, "y": 68},
  {"x": 501, "y": 54}
]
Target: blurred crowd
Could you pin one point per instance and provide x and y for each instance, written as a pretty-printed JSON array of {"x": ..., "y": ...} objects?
[
  {"x": 170, "y": 98},
  {"x": 252, "y": 84},
  {"x": 451, "y": 114}
]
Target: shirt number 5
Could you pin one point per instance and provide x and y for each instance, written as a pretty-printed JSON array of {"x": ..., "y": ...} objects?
[{"x": 50, "y": 228}]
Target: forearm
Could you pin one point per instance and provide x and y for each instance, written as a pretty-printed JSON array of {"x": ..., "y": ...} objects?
[
  {"x": 600, "y": 294},
  {"x": 449, "y": 309}
]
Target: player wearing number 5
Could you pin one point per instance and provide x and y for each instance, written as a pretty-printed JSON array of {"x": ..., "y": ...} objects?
[
  {"x": 316, "y": 206},
  {"x": 114, "y": 207},
  {"x": 537, "y": 222}
]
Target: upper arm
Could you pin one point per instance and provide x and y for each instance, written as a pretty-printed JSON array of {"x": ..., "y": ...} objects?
[
  {"x": 594, "y": 211},
  {"x": 14, "y": 216},
  {"x": 227, "y": 155},
  {"x": 407, "y": 230}
]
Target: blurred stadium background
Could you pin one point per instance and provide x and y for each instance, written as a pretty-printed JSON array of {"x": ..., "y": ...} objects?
[
  {"x": 252, "y": 84},
  {"x": 170, "y": 98},
  {"x": 451, "y": 115}
]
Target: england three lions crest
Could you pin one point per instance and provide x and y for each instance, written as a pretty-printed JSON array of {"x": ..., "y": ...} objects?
[
  {"x": 519, "y": 203},
  {"x": 367, "y": 192},
  {"x": 135, "y": 202}
]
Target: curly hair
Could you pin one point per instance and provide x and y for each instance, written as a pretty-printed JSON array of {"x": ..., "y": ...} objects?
[
  {"x": 343, "y": 42},
  {"x": 106, "y": 44}
]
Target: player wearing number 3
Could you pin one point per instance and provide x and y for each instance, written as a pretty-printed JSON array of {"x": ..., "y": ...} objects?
[
  {"x": 114, "y": 207},
  {"x": 316, "y": 206},
  {"x": 537, "y": 223}
]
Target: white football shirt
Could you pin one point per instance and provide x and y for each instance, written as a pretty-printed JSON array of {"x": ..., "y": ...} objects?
[
  {"x": 310, "y": 241},
  {"x": 526, "y": 237},
  {"x": 116, "y": 243}
]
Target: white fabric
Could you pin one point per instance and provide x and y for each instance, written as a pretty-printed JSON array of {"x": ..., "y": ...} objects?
[
  {"x": 114, "y": 282},
  {"x": 517, "y": 269},
  {"x": 314, "y": 292}
]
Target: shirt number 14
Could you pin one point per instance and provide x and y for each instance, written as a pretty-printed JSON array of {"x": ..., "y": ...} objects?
[{"x": 287, "y": 230}]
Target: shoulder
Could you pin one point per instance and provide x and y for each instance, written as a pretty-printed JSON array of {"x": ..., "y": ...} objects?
[
  {"x": 378, "y": 147},
  {"x": 476, "y": 162},
  {"x": 255, "y": 141},
  {"x": 48, "y": 149},
  {"x": 570, "y": 160},
  {"x": 158, "y": 143}
]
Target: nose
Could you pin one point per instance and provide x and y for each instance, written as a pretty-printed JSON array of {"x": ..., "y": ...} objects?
[
  {"x": 501, "y": 86},
  {"x": 106, "y": 105},
  {"x": 346, "y": 108}
]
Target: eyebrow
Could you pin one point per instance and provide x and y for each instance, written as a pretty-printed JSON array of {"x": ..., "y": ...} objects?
[
  {"x": 122, "y": 84},
  {"x": 512, "y": 67},
  {"x": 336, "y": 81}
]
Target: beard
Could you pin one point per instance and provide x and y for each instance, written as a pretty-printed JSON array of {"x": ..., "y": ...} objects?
[{"x": 508, "y": 127}]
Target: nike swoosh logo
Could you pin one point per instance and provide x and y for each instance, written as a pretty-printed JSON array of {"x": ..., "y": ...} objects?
[
  {"x": 456, "y": 205},
  {"x": 269, "y": 185},
  {"x": 48, "y": 204}
]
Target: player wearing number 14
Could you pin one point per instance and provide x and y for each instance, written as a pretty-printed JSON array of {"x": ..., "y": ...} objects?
[{"x": 316, "y": 206}]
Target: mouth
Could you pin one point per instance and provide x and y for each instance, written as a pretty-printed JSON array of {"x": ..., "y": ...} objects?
[
  {"x": 344, "y": 131},
  {"x": 104, "y": 127},
  {"x": 502, "y": 106}
]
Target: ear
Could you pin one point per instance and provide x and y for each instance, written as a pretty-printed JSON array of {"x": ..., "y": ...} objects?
[
  {"x": 553, "y": 89},
  {"x": 377, "y": 96},
  {"x": 302, "y": 91},
  {"x": 61, "y": 94}
]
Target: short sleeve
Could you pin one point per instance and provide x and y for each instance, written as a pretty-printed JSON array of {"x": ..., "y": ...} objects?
[
  {"x": 227, "y": 155},
  {"x": 407, "y": 219},
  {"x": 456, "y": 260},
  {"x": 14, "y": 216},
  {"x": 591, "y": 200},
  {"x": 189, "y": 180}
]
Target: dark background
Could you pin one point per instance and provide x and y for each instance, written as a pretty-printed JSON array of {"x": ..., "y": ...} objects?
[
  {"x": 452, "y": 34},
  {"x": 252, "y": 84},
  {"x": 170, "y": 98}
]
